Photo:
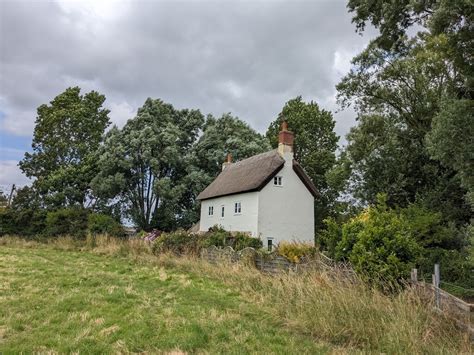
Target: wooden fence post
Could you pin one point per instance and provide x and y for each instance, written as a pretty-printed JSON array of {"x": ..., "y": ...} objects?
[{"x": 414, "y": 275}]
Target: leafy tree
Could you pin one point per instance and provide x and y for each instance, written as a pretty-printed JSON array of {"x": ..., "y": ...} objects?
[
  {"x": 314, "y": 147},
  {"x": 451, "y": 141},
  {"x": 452, "y": 19},
  {"x": 397, "y": 97},
  {"x": 223, "y": 135},
  {"x": 67, "y": 133},
  {"x": 148, "y": 166}
]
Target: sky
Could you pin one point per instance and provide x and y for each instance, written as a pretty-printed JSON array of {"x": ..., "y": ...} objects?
[{"x": 243, "y": 57}]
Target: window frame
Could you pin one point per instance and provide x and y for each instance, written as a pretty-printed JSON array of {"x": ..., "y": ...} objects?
[
  {"x": 222, "y": 214},
  {"x": 237, "y": 208},
  {"x": 278, "y": 181},
  {"x": 210, "y": 211},
  {"x": 270, "y": 244}
]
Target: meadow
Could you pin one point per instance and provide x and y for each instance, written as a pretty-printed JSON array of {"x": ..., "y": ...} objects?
[{"x": 104, "y": 295}]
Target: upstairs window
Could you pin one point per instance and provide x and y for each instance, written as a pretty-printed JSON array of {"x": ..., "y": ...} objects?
[
  {"x": 278, "y": 181},
  {"x": 222, "y": 211},
  {"x": 237, "y": 208},
  {"x": 211, "y": 210}
]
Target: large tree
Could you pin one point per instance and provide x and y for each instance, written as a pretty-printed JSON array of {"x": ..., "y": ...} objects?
[
  {"x": 67, "y": 133},
  {"x": 314, "y": 147},
  {"x": 147, "y": 165},
  {"x": 223, "y": 135}
]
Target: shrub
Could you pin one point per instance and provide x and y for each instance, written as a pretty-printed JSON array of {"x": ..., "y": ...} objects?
[
  {"x": 216, "y": 236},
  {"x": 26, "y": 222},
  {"x": 242, "y": 241},
  {"x": 295, "y": 251},
  {"x": 98, "y": 223},
  {"x": 179, "y": 242},
  {"x": 67, "y": 221}
]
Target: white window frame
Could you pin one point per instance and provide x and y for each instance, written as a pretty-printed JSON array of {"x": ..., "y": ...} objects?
[
  {"x": 222, "y": 214},
  {"x": 237, "y": 208},
  {"x": 210, "y": 211},
  {"x": 270, "y": 244},
  {"x": 278, "y": 181}
]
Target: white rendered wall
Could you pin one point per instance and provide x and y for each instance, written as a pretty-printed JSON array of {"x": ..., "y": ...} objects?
[
  {"x": 286, "y": 212},
  {"x": 246, "y": 221}
]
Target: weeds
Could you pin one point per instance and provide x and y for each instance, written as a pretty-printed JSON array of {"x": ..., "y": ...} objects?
[{"x": 348, "y": 315}]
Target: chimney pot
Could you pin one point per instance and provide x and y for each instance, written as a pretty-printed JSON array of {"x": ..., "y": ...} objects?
[{"x": 285, "y": 139}]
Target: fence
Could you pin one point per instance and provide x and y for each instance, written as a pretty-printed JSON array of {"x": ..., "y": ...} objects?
[
  {"x": 272, "y": 263},
  {"x": 455, "y": 308}
]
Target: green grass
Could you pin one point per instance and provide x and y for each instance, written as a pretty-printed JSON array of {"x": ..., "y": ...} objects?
[{"x": 73, "y": 301}]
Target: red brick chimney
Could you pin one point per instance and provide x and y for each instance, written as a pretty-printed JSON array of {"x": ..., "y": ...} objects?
[
  {"x": 285, "y": 139},
  {"x": 227, "y": 162}
]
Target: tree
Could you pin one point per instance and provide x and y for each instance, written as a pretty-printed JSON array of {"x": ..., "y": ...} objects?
[
  {"x": 451, "y": 141},
  {"x": 452, "y": 19},
  {"x": 314, "y": 147},
  {"x": 148, "y": 166},
  {"x": 67, "y": 133},
  {"x": 226, "y": 134},
  {"x": 397, "y": 97}
]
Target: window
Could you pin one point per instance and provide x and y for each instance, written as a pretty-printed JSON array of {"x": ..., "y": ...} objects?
[
  {"x": 211, "y": 210},
  {"x": 237, "y": 208},
  {"x": 222, "y": 211},
  {"x": 277, "y": 181},
  {"x": 270, "y": 244}
]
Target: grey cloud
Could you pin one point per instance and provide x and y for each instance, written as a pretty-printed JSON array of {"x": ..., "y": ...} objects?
[{"x": 243, "y": 57}]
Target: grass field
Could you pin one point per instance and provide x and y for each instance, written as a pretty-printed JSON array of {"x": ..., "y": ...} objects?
[
  {"x": 74, "y": 301},
  {"x": 110, "y": 296}
]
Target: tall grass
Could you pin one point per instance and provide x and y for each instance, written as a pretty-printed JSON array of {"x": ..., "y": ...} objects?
[{"x": 349, "y": 315}]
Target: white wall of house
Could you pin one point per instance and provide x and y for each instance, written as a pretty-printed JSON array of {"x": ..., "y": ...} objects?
[
  {"x": 245, "y": 221},
  {"x": 286, "y": 212}
]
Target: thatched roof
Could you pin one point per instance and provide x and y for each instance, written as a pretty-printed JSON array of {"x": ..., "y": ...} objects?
[{"x": 252, "y": 174}]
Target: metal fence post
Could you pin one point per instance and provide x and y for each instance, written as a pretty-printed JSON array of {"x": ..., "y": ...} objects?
[{"x": 436, "y": 281}]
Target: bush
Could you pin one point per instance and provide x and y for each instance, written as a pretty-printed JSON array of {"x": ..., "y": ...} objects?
[
  {"x": 26, "y": 222},
  {"x": 179, "y": 242},
  {"x": 242, "y": 241},
  {"x": 98, "y": 223},
  {"x": 216, "y": 236},
  {"x": 295, "y": 251},
  {"x": 67, "y": 221}
]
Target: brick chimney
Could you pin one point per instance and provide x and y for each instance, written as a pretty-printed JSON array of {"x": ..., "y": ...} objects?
[
  {"x": 285, "y": 141},
  {"x": 227, "y": 162}
]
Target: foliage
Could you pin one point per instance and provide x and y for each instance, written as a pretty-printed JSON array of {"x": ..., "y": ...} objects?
[
  {"x": 223, "y": 135},
  {"x": 179, "y": 242},
  {"x": 28, "y": 222},
  {"x": 451, "y": 141},
  {"x": 314, "y": 147},
  {"x": 295, "y": 251},
  {"x": 384, "y": 243},
  {"x": 66, "y": 135},
  {"x": 146, "y": 165},
  {"x": 67, "y": 221},
  {"x": 216, "y": 236},
  {"x": 242, "y": 240},
  {"x": 98, "y": 223}
]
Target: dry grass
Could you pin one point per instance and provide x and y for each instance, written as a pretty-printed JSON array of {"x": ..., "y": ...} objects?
[{"x": 350, "y": 316}]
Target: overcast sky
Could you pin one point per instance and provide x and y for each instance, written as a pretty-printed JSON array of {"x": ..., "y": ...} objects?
[{"x": 243, "y": 57}]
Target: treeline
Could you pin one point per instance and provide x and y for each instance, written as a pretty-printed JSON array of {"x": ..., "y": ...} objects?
[
  {"x": 400, "y": 194},
  {"x": 150, "y": 171}
]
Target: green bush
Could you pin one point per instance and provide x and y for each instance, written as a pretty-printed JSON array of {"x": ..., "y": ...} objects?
[
  {"x": 242, "y": 241},
  {"x": 26, "y": 222},
  {"x": 98, "y": 223},
  {"x": 67, "y": 221},
  {"x": 179, "y": 242},
  {"x": 216, "y": 236}
]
